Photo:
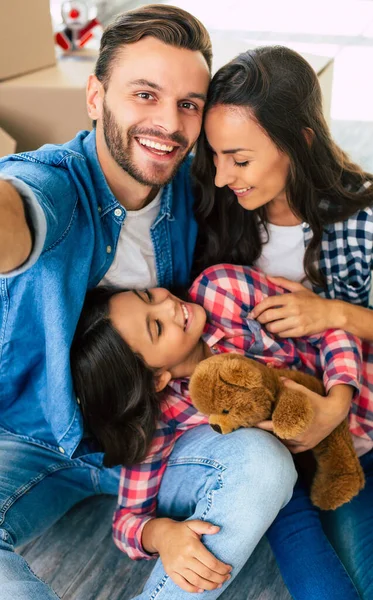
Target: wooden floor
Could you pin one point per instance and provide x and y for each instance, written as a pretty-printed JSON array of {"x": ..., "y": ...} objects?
[{"x": 78, "y": 558}]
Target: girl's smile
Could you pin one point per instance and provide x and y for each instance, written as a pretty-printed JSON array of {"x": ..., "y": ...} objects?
[{"x": 164, "y": 330}]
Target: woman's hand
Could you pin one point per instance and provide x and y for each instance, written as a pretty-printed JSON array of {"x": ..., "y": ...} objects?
[
  {"x": 329, "y": 412},
  {"x": 302, "y": 312},
  {"x": 185, "y": 558}
]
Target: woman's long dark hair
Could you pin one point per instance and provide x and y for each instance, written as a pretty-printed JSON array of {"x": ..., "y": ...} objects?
[
  {"x": 115, "y": 387},
  {"x": 281, "y": 91}
]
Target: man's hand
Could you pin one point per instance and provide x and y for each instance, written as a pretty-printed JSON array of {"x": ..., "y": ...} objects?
[
  {"x": 329, "y": 412},
  {"x": 302, "y": 312},
  {"x": 185, "y": 559}
]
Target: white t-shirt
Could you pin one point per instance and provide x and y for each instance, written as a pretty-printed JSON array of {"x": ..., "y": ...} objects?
[
  {"x": 283, "y": 254},
  {"x": 134, "y": 261}
]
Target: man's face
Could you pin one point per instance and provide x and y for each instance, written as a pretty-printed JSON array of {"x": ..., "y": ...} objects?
[{"x": 152, "y": 110}]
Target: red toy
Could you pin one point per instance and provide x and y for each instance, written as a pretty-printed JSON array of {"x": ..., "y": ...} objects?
[{"x": 78, "y": 27}]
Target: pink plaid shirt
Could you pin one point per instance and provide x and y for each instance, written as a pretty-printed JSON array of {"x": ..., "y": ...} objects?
[{"x": 228, "y": 294}]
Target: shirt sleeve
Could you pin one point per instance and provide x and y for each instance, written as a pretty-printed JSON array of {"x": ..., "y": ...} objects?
[
  {"x": 137, "y": 500},
  {"x": 36, "y": 219},
  {"x": 340, "y": 358},
  {"x": 49, "y": 198},
  {"x": 139, "y": 485}
]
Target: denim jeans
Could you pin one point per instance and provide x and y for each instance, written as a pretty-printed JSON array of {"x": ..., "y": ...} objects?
[
  {"x": 302, "y": 539},
  {"x": 239, "y": 482}
]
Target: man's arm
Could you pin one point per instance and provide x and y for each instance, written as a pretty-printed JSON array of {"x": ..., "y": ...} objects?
[{"x": 15, "y": 234}]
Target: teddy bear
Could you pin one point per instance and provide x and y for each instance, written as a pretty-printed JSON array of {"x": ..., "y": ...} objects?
[{"x": 236, "y": 391}]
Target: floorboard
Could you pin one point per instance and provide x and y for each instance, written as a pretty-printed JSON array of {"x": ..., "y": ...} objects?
[{"x": 78, "y": 558}]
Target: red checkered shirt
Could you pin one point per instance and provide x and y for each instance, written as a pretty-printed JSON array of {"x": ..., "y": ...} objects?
[{"x": 228, "y": 294}]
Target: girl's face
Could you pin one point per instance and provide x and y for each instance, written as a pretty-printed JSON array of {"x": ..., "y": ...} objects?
[
  {"x": 245, "y": 158},
  {"x": 164, "y": 330}
]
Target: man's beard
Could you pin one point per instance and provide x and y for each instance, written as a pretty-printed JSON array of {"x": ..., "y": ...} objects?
[{"x": 123, "y": 154}]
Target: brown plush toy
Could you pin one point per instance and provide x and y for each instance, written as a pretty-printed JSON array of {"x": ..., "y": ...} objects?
[{"x": 235, "y": 391}]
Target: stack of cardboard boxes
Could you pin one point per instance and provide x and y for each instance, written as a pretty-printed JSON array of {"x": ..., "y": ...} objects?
[{"x": 42, "y": 100}]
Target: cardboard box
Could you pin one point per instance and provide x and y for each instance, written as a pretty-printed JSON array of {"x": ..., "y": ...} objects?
[
  {"x": 227, "y": 45},
  {"x": 26, "y": 37},
  {"x": 48, "y": 106},
  {"x": 7, "y": 143}
]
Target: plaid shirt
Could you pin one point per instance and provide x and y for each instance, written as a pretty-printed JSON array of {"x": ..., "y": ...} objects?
[
  {"x": 346, "y": 257},
  {"x": 228, "y": 294}
]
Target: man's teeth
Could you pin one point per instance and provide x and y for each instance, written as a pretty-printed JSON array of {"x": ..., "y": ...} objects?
[
  {"x": 186, "y": 314},
  {"x": 243, "y": 190},
  {"x": 155, "y": 145}
]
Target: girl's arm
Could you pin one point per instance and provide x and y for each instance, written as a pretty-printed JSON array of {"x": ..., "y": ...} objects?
[
  {"x": 340, "y": 357},
  {"x": 302, "y": 312},
  {"x": 138, "y": 532},
  {"x": 184, "y": 557}
]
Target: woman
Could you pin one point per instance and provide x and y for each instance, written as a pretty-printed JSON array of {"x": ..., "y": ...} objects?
[{"x": 289, "y": 201}]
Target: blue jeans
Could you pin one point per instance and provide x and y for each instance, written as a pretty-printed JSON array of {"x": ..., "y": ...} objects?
[
  {"x": 326, "y": 555},
  {"x": 239, "y": 482}
]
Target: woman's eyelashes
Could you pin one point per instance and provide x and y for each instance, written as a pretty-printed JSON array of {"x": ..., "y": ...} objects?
[
  {"x": 241, "y": 164},
  {"x": 157, "y": 322},
  {"x": 159, "y": 327}
]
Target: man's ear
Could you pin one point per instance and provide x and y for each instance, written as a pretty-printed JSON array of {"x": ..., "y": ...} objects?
[
  {"x": 162, "y": 379},
  {"x": 309, "y": 134},
  {"x": 95, "y": 95}
]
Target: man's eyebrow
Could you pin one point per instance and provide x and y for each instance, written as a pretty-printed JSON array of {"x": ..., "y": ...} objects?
[
  {"x": 196, "y": 95},
  {"x": 147, "y": 83},
  {"x": 147, "y": 317},
  {"x": 157, "y": 87}
]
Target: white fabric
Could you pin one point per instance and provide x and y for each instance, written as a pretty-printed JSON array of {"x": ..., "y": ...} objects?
[
  {"x": 283, "y": 254},
  {"x": 134, "y": 262}
]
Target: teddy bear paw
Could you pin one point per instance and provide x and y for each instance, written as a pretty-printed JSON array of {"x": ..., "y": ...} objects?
[{"x": 329, "y": 493}]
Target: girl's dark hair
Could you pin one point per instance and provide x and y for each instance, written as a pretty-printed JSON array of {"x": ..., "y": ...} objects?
[
  {"x": 169, "y": 24},
  {"x": 277, "y": 87},
  {"x": 115, "y": 387}
]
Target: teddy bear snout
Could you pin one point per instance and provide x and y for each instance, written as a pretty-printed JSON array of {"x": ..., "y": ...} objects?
[{"x": 216, "y": 427}]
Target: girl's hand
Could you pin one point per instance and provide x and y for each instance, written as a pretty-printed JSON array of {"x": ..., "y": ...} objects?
[
  {"x": 185, "y": 558},
  {"x": 302, "y": 312},
  {"x": 329, "y": 412}
]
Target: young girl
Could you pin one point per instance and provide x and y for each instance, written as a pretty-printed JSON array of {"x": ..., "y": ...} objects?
[
  {"x": 131, "y": 344},
  {"x": 275, "y": 191}
]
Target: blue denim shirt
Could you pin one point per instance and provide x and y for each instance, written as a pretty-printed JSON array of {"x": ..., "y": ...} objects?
[{"x": 77, "y": 222}]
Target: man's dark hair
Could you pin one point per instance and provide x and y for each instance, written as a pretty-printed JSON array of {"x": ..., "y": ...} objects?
[
  {"x": 168, "y": 24},
  {"x": 115, "y": 387}
]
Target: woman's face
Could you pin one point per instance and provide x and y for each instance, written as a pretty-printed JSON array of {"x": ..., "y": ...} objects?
[
  {"x": 164, "y": 330},
  {"x": 246, "y": 159}
]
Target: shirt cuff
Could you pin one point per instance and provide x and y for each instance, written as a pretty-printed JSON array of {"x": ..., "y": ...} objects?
[
  {"x": 36, "y": 218},
  {"x": 343, "y": 380},
  {"x": 127, "y": 534}
]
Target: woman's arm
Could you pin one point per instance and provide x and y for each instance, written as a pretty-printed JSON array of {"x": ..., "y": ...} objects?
[
  {"x": 355, "y": 319},
  {"x": 302, "y": 312}
]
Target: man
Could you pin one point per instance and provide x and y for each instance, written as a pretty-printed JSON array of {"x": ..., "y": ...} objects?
[{"x": 114, "y": 205}]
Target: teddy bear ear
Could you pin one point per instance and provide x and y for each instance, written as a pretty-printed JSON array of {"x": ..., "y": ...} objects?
[{"x": 242, "y": 372}]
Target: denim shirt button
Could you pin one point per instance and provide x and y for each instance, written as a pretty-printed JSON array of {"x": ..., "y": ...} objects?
[
  {"x": 108, "y": 249},
  {"x": 118, "y": 212},
  {"x": 61, "y": 450},
  {"x": 99, "y": 209}
]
